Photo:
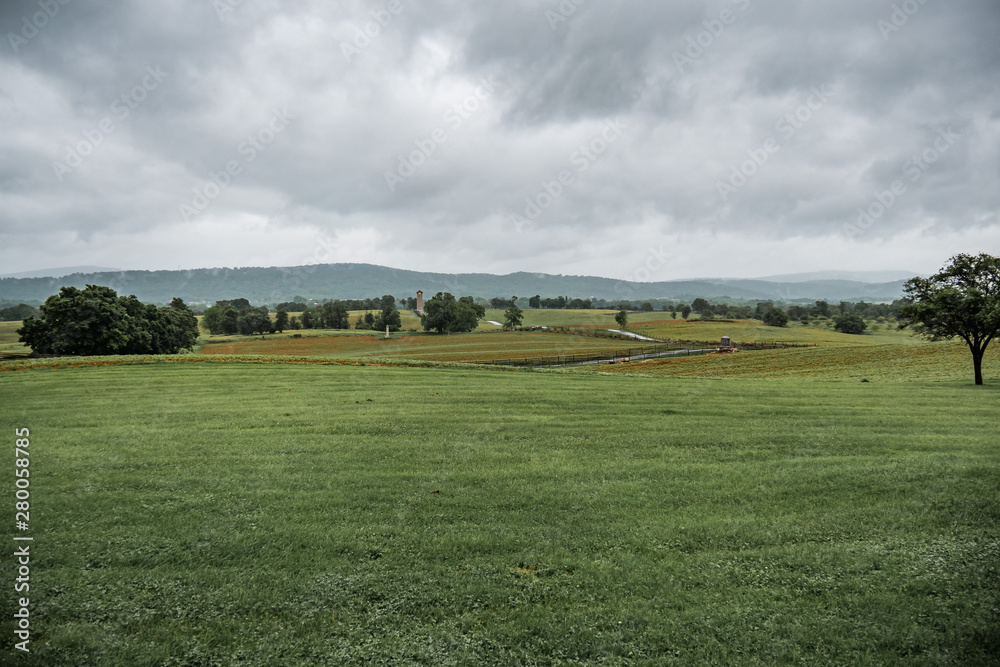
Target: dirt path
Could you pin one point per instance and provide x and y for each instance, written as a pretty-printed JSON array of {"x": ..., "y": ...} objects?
[{"x": 634, "y": 335}]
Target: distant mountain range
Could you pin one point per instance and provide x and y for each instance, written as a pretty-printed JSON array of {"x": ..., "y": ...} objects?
[
  {"x": 857, "y": 276},
  {"x": 346, "y": 281},
  {"x": 58, "y": 273}
]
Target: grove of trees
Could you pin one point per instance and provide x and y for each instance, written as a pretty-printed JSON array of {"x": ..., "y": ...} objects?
[
  {"x": 561, "y": 302},
  {"x": 96, "y": 321},
  {"x": 500, "y": 303},
  {"x": 700, "y": 305},
  {"x": 236, "y": 317},
  {"x": 445, "y": 314}
]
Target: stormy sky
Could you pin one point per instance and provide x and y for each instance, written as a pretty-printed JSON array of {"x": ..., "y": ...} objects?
[{"x": 633, "y": 140}]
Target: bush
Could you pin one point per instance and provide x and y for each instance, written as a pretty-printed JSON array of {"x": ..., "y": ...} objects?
[
  {"x": 849, "y": 324},
  {"x": 775, "y": 317}
]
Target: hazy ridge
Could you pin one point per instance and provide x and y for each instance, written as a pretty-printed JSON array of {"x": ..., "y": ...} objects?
[{"x": 341, "y": 281}]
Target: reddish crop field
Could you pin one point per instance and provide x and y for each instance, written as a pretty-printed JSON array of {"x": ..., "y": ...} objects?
[{"x": 457, "y": 347}]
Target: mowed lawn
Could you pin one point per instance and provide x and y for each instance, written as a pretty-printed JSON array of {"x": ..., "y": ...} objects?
[
  {"x": 299, "y": 515},
  {"x": 456, "y": 347}
]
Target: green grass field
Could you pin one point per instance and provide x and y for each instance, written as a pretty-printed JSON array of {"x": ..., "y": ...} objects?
[
  {"x": 9, "y": 345},
  {"x": 246, "y": 514}
]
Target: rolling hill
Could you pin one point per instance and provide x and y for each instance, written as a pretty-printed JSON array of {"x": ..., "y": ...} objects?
[{"x": 342, "y": 281}]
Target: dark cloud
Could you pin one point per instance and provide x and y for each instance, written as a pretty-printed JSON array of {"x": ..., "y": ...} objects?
[{"x": 427, "y": 134}]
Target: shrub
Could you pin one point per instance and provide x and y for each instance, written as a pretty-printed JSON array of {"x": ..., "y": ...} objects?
[
  {"x": 775, "y": 317},
  {"x": 849, "y": 324}
]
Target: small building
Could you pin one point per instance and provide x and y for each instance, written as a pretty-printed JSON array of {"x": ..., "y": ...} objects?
[
  {"x": 725, "y": 341},
  {"x": 420, "y": 302}
]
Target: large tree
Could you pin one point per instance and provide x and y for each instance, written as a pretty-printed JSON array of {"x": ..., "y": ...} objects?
[
  {"x": 513, "y": 318},
  {"x": 95, "y": 320},
  {"x": 774, "y": 317},
  {"x": 222, "y": 318},
  {"x": 962, "y": 301},
  {"x": 387, "y": 301},
  {"x": 389, "y": 317},
  {"x": 255, "y": 320},
  {"x": 171, "y": 329},
  {"x": 281, "y": 320},
  {"x": 85, "y": 322},
  {"x": 849, "y": 324},
  {"x": 237, "y": 317},
  {"x": 334, "y": 315},
  {"x": 444, "y": 314}
]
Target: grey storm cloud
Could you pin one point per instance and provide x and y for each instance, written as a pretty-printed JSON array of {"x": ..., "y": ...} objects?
[{"x": 432, "y": 134}]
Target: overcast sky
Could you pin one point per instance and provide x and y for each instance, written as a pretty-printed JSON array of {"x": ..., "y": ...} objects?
[{"x": 640, "y": 140}]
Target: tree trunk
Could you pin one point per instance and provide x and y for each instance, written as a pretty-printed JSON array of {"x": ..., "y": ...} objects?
[{"x": 977, "y": 364}]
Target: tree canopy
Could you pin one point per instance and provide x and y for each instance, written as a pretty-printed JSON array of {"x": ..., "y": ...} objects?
[
  {"x": 96, "y": 321},
  {"x": 960, "y": 301},
  {"x": 334, "y": 315},
  {"x": 774, "y": 317},
  {"x": 444, "y": 314},
  {"x": 849, "y": 324},
  {"x": 281, "y": 320},
  {"x": 389, "y": 317},
  {"x": 513, "y": 317},
  {"x": 236, "y": 317}
]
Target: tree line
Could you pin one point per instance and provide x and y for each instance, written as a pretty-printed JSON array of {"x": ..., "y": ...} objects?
[
  {"x": 238, "y": 316},
  {"x": 21, "y": 311},
  {"x": 300, "y": 304},
  {"x": 705, "y": 307},
  {"x": 443, "y": 313}
]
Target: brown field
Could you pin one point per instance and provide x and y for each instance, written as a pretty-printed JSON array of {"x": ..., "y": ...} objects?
[
  {"x": 945, "y": 361},
  {"x": 458, "y": 347},
  {"x": 754, "y": 331}
]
